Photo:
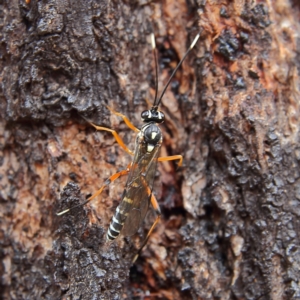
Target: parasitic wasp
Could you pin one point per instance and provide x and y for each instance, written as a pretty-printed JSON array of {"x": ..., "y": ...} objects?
[{"x": 137, "y": 194}]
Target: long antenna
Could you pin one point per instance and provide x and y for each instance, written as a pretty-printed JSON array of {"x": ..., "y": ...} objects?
[
  {"x": 156, "y": 66},
  {"x": 155, "y": 106}
]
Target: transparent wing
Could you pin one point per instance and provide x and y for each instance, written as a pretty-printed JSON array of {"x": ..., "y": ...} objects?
[
  {"x": 138, "y": 188},
  {"x": 132, "y": 223}
]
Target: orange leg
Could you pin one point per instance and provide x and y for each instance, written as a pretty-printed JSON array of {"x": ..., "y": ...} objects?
[
  {"x": 115, "y": 134},
  {"x": 106, "y": 183},
  {"x": 158, "y": 216},
  {"x": 173, "y": 157},
  {"x": 125, "y": 119}
]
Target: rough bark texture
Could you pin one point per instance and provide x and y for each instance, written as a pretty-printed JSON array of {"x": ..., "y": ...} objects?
[{"x": 230, "y": 224}]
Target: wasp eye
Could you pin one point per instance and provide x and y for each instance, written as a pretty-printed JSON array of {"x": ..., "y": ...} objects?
[{"x": 145, "y": 114}]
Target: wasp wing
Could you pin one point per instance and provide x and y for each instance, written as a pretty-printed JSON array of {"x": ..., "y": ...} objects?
[{"x": 138, "y": 188}]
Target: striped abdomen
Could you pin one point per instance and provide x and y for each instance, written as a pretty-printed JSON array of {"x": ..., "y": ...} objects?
[{"x": 116, "y": 225}]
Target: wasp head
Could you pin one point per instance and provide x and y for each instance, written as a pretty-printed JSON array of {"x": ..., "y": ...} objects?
[{"x": 152, "y": 115}]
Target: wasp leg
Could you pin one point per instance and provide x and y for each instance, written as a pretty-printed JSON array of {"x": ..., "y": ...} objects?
[
  {"x": 106, "y": 183},
  {"x": 125, "y": 119},
  {"x": 116, "y": 136},
  {"x": 158, "y": 216},
  {"x": 173, "y": 157}
]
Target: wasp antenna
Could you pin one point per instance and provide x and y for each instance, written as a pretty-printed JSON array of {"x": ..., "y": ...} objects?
[
  {"x": 179, "y": 64},
  {"x": 62, "y": 212},
  {"x": 153, "y": 41},
  {"x": 71, "y": 208},
  {"x": 153, "y": 44},
  {"x": 195, "y": 41}
]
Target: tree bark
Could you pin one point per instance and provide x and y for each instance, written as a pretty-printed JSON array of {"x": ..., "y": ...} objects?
[{"x": 230, "y": 214}]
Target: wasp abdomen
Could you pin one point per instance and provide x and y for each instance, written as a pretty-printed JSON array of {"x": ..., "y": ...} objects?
[{"x": 116, "y": 225}]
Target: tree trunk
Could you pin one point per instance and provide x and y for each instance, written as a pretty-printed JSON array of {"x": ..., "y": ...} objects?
[{"x": 230, "y": 214}]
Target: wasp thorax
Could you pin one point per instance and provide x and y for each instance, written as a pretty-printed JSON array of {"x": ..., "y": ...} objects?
[
  {"x": 152, "y": 115},
  {"x": 152, "y": 136}
]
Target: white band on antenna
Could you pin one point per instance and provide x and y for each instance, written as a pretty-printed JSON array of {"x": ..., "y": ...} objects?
[
  {"x": 153, "y": 41},
  {"x": 195, "y": 41}
]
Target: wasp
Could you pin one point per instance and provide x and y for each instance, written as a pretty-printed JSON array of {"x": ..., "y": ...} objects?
[{"x": 138, "y": 194}]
